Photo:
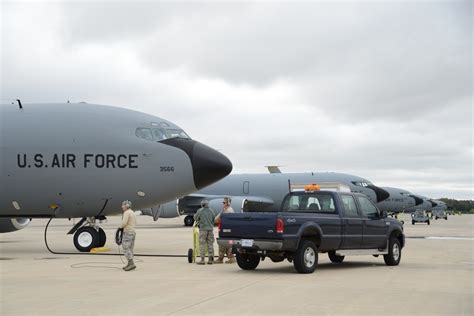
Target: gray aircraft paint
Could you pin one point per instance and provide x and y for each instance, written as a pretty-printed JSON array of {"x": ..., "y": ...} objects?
[
  {"x": 398, "y": 201},
  {"x": 50, "y": 155},
  {"x": 265, "y": 190},
  {"x": 427, "y": 205}
]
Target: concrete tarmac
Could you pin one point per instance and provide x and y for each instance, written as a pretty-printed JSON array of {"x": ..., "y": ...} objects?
[{"x": 435, "y": 277}]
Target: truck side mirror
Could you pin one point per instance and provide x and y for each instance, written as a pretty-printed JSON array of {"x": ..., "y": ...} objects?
[{"x": 383, "y": 214}]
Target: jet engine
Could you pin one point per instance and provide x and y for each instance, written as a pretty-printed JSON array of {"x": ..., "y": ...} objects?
[
  {"x": 239, "y": 204},
  {"x": 13, "y": 224}
]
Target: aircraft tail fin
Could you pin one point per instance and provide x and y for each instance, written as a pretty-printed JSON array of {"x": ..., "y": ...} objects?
[{"x": 273, "y": 169}]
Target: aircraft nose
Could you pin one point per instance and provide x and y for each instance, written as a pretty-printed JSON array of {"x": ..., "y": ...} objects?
[
  {"x": 208, "y": 164},
  {"x": 418, "y": 201},
  {"x": 379, "y": 192}
]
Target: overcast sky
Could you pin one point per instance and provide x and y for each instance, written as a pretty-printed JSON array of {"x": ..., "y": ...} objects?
[{"x": 382, "y": 90}]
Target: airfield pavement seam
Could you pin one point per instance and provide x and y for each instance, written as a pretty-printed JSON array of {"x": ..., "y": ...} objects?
[{"x": 217, "y": 296}]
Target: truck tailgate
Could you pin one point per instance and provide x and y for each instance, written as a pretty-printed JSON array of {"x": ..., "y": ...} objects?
[{"x": 249, "y": 225}]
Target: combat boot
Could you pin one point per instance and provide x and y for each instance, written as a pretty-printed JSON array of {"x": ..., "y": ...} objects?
[
  {"x": 201, "y": 262},
  {"x": 231, "y": 260},
  {"x": 219, "y": 260},
  {"x": 130, "y": 265},
  {"x": 211, "y": 260}
]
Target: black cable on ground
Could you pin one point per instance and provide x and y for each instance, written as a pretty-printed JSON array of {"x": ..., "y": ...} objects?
[{"x": 100, "y": 254}]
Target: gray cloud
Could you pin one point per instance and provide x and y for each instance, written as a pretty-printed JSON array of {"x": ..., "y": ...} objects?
[{"x": 381, "y": 90}]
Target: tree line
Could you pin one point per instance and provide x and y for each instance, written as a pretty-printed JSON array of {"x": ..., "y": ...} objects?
[{"x": 464, "y": 206}]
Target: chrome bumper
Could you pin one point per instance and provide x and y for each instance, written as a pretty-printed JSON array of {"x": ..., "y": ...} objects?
[{"x": 272, "y": 245}]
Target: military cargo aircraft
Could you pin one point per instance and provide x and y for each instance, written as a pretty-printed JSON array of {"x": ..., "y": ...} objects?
[
  {"x": 399, "y": 200},
  {"x": 82, "y": 160},
  {"x": 259, "y": 192}
]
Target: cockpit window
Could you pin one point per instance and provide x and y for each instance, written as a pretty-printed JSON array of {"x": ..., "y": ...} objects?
[
  {"x": 361, "y": 183},
  {"x": 176, "y": 133},
  {"x": 144, "y": 133},
  {"x": 159, "y": 134}
]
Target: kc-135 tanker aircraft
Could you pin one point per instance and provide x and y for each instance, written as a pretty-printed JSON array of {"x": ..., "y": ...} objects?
[
  {"x": 82, "y": 160},
  {"x": 265, "y": 191}
]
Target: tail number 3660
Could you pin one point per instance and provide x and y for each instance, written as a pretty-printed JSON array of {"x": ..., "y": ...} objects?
[{"x": 166, "y": 169}]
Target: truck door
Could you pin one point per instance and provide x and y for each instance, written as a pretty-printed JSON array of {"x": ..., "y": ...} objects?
[
  {"x": 374, "y": 233},
  {"x": 352, "y": 223}
]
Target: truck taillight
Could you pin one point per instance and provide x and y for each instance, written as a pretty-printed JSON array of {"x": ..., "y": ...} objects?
[{"x": 280, "y": 226}]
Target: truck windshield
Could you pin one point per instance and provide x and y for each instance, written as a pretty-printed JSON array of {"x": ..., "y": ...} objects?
[{"x": 309, "y": 202}]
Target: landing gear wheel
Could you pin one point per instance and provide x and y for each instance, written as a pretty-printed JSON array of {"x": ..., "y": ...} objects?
[
  {"x": 335, "y": 258},
  {"x": 86, "y": 238},
  {"x": 102, "y": 238},
  {"x": 306, "y": 257},
  {"x": 394, "y": 252},
  {"x": 188, "y": 220},
  {"x": 190, "y": 255},
  {"x": 247, "y": 262}
]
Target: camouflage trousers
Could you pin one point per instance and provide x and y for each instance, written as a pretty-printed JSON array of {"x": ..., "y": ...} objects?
[
  {"x": 128, "y": 242},
  {"x": 206, "y": 237},
  {"x": 225, "y": 251}
]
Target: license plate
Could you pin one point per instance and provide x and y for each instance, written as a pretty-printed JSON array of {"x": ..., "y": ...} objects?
[{"x": 247, "y": 242}]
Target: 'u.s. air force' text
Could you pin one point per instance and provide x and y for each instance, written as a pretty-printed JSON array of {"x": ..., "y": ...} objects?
[{"x": 121, "y": 161}]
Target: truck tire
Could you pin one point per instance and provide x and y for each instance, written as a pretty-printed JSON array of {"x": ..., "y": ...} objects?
[
  {"x": 335, "y": 258},
  {"x": 394, "y": 252},
  {"x": 247, "y": 262},
  {"x": 306, "y": 257}
]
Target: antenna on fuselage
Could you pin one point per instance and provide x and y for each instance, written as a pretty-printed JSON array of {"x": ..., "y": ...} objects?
[{"x": 19, "y": 104}]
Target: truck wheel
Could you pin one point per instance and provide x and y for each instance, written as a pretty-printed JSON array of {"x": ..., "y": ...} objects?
[
  {"x": 306, "y": 257},
  {"x": 247, "y": 262},
  {"x": 335, "y": 258},
  {"x": 188, "y": 220},
  {"x": 394, "y": 252}
]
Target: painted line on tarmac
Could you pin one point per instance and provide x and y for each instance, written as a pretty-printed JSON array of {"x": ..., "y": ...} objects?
[
  {"x": 451, "y": 238},
  {"x": 441, "y": 238}
]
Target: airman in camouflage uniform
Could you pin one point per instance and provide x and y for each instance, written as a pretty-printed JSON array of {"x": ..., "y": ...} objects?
[{"x": 205, "y": 219}]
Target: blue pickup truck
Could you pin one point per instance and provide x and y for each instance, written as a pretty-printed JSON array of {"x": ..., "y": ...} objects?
[{"x": 312, "y": 222}]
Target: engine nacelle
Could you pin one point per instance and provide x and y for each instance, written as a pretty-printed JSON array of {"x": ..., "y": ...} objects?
[
  {"x": 239, "y": 204},
  {"x": 8, "y": 225}
]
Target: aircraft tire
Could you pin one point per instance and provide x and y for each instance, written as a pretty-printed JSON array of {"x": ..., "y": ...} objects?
[
  {"x": 86, "y": 238},
  {"x": 189, "y": 220},
  {"x": 102, "y": 238}
]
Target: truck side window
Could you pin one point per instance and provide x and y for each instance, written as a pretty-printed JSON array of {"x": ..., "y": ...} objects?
[
  {"x": 144, "y": 133},
  {"x": 367, "y": 208},
  {"x": 350, "y": 208}
]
